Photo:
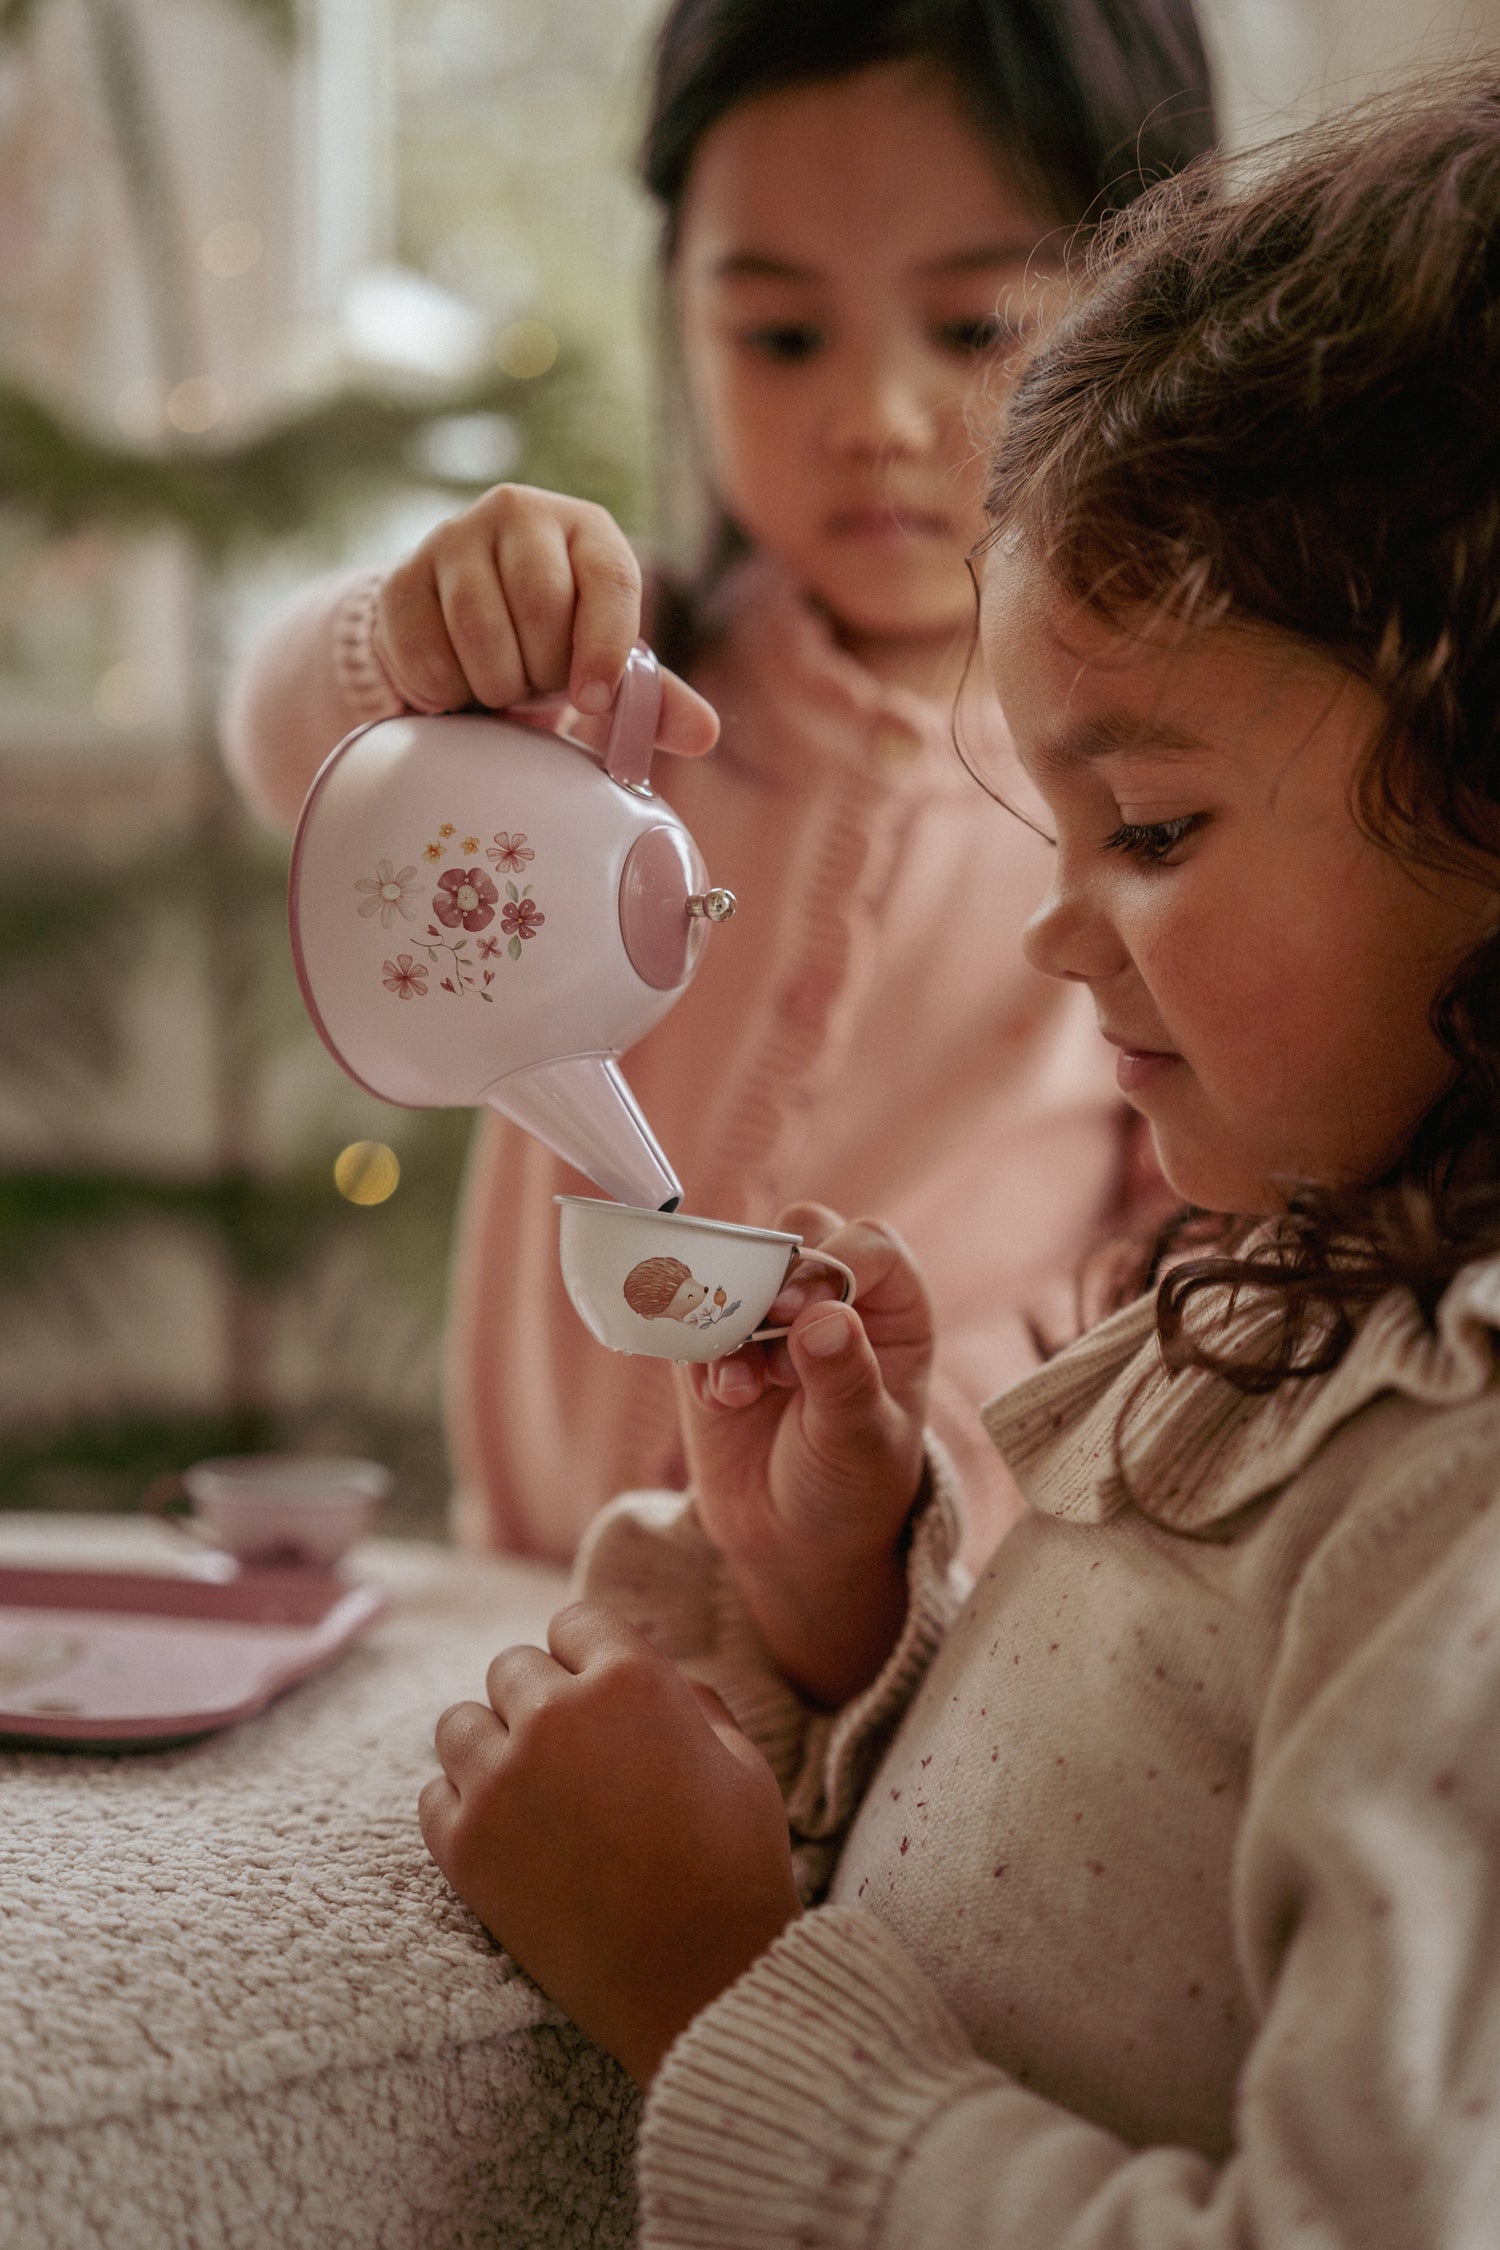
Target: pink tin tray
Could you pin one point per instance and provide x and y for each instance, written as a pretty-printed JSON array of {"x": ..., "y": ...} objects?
[{"x": 128, "y": 1657}]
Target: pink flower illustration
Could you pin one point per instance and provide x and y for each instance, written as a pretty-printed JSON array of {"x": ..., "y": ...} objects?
[
  {"x": 406, "y": 977},
  {"x": 389, "y": 892},
  {"x": 465, "y": 895},
  {"x": 521, "y": 919},
  {"x": 512, "y": 852},
  {"x": 488, "y": 948}
]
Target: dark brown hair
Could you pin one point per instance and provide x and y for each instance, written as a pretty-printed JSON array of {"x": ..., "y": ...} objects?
[
  {"x": 1277, "y": 401},
  {"x": 1087, "y": 101}
]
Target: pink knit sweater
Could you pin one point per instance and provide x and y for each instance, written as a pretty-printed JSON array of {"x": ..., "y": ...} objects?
[{"x": 865, "y": 1032}]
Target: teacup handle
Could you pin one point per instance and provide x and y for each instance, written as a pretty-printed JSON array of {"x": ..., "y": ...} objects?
[
  {"x": 157, "y": 1500},
  {"x": 817, "y": 1258}
]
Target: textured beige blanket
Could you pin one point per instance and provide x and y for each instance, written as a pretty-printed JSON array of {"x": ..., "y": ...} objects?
[{"x": 238, "y": 2004}]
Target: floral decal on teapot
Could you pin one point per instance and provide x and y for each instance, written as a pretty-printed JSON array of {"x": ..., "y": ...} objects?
[
  {"x": 666, "y": 1289},
  {"x": 389, "y": 893},
  {"x": 406, "y": 977},
  {"x": 462, "y": 904},
  {"x": 465, "y": 895}
]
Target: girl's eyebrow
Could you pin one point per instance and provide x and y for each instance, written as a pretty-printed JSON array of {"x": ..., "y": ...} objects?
[
  {"x": 1115, "y": 734},
  {"x": 757, "y": 265},
  {"x": 982, "y": 257},
  {"x": 754, "y": 265}
]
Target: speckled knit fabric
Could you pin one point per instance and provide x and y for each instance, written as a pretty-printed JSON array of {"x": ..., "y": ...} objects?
[
  {"x": 1169, "y": 1915},
  {"x": 238, "y": 2003}
]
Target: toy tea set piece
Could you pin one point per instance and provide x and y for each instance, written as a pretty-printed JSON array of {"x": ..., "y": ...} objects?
[
  {"x": 668, "y": 1286},
  {"x": 273, "y": 1509},
  {"x": 146, "y": 1657},
  {"x": 483, "y": 911},
  {"x": 134, "y": 1659}
]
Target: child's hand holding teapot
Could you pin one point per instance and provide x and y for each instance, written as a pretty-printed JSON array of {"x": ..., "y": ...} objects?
[{"x": 524, "y": 593}]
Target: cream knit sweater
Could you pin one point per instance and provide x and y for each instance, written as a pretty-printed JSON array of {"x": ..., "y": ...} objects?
[{"x": 1165, "y": 1895}]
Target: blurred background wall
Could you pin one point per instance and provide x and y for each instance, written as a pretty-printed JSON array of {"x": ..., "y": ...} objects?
[{"x": 280, "y": 283}]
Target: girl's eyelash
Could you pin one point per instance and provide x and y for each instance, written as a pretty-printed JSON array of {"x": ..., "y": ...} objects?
[
  {"x": 987, "y": 333},
  {"x": 787, "y": 341},
  {"x": 1151, "y": 840}
]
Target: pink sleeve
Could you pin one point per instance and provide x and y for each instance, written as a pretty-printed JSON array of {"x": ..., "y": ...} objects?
[{"x": 310, "y": 678}]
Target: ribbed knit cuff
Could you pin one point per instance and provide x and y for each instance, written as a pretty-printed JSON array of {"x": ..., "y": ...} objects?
[
  {"x": 785, "y": 2111},
  {"x": 362, "y": 678},
  {"x": 843, "y": 1750},
  {"x": 647, "y": 1556}
]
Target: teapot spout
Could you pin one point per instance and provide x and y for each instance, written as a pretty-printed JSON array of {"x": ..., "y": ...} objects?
[{"x": 582, "y": 1109}]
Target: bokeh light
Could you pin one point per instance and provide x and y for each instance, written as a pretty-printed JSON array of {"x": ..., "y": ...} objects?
[
  {"x": 127, "y": 695},
  {"x": 526, "y": 348},
  {"x": 196, "y": 404},
  {"x": 138, "y": 410},
  {"x": 232, "y": 248},
  {"x": 366, "y": 1172}
]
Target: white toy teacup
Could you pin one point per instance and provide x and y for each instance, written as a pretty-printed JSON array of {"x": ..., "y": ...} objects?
[
  {"x": 674, "y": 1287},
  {"x": 304, "y": 1508}
]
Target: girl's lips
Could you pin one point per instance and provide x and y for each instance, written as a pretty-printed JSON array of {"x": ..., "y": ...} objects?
[
  {"x": 1136, "y": 1068},
  {"x": 888, "y": 523}
]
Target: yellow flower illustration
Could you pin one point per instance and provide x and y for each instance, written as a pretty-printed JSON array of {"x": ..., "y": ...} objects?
[
  {"x": 432, "y": 851},
  {"x": 471, "y": 843},
  {"x": 446, "y": 829}
]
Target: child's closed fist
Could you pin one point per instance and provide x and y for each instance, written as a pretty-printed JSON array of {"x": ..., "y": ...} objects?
[
  {"x": 610, "y": 1825},
  {"x": 525, "y": 593}
]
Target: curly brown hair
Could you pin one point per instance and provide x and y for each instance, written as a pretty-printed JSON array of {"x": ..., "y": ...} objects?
[{"x": 1276, "y": 400}]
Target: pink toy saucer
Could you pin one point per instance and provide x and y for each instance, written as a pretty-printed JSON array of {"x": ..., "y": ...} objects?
[{"x": 134, "y": 1658}]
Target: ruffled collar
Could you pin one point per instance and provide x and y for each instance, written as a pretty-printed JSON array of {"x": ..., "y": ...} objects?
[
  {"x": 1195, "y": 1448},
  {"x": 767, "y": 647}
]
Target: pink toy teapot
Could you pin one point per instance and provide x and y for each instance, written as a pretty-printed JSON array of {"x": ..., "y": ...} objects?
[{"x": 485, "y": 911}]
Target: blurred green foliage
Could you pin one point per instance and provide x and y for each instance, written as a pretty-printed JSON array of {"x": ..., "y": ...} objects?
[
  {"x": 359, "y": 1291},
  {"x": 315, "y": 464}
]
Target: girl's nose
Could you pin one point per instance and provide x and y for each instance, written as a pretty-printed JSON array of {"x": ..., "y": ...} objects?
[
  {"x": 879, "y": 410},
  {"x": 1069, "y": 937}
]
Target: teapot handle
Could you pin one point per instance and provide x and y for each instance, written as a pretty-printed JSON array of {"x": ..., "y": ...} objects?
[{"x": 632, "y": 733}]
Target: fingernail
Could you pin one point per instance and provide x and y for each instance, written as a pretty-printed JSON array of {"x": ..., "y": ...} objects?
[
  {"x": 734, "y": 1382},
  {"x": 827, "y": 1335},
  {"x": 595, "y": 696}
]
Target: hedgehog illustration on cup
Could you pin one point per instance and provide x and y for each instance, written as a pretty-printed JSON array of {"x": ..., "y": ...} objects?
[
  {"x": 663, "y": 1289},
  {"x": 666, "y": 1289}
]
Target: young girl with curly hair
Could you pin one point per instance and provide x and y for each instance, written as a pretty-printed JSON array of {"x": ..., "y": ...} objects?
[{"x": 1151, "y": 1894}]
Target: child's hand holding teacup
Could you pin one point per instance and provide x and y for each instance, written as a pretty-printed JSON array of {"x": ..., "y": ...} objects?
[
  {"x": 603, "y": 1815},
  {"x": 806, "y": 1458}
]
